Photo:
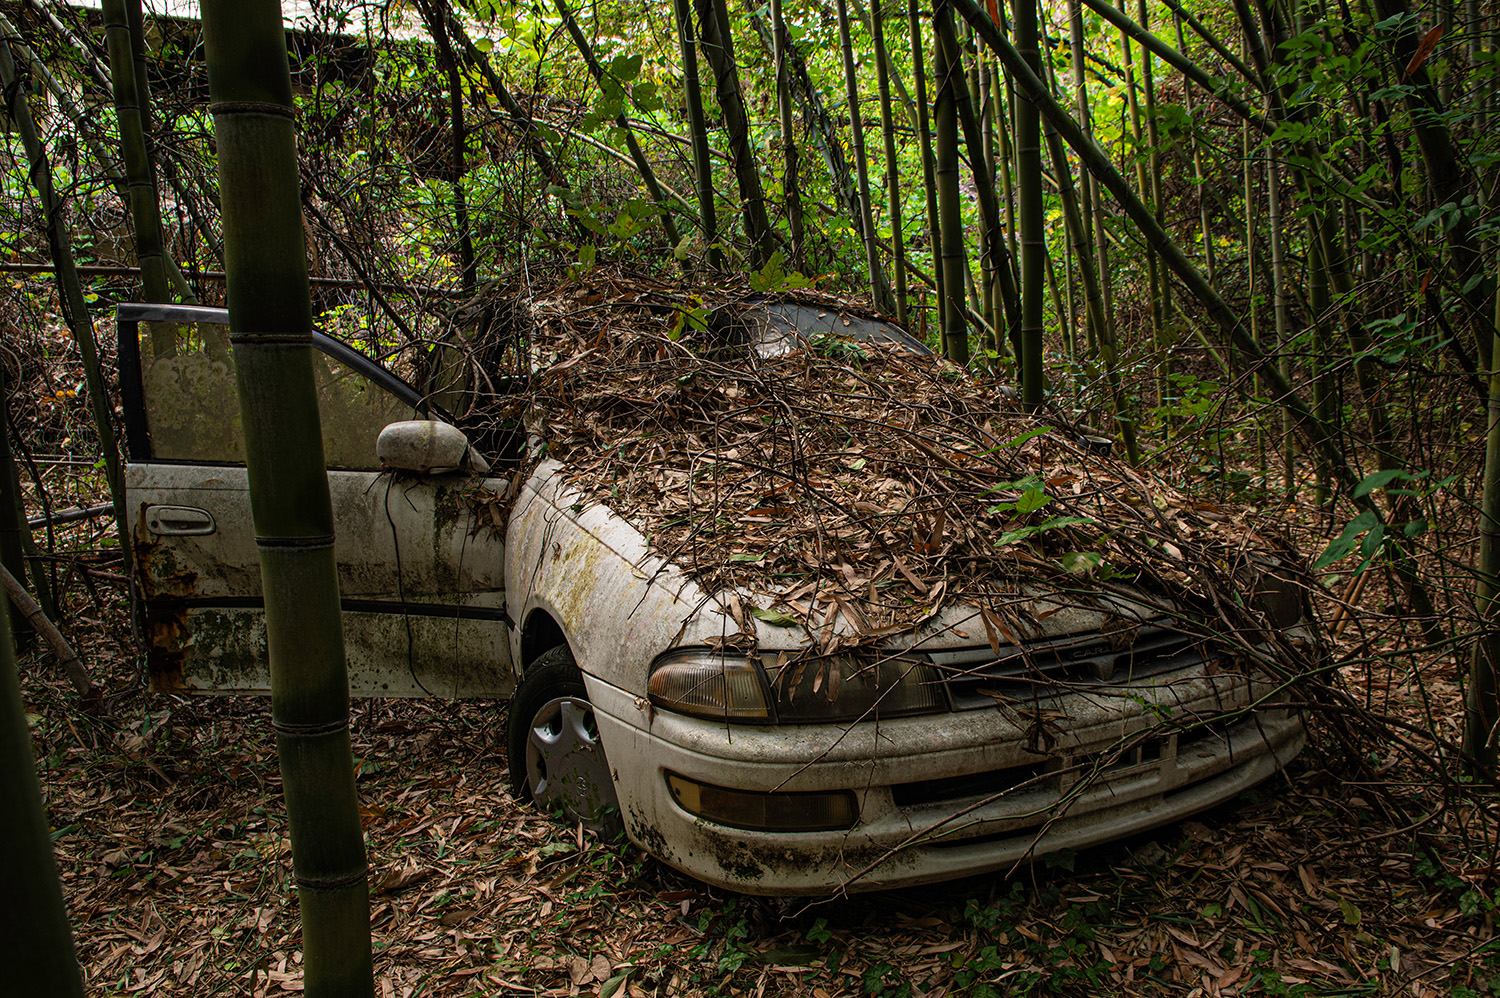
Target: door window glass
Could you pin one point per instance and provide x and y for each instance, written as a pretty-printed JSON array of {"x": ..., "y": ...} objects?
[{"x": 193, "y": 411}]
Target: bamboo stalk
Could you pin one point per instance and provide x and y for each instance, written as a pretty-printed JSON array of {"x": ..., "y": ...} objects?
[
  {"x": 518, "y": 114},
  {"x": 140, "y": 179},
  {"x": 67, "y": 659},
  {"x": 270, "y": 320},
  {"x": 1098, "y": 317},
  {"x": 1210, "y": 254},
  {"x": 86, "y": 55},
  {"x": 825, "y": 136},
  {"x": 18, "y": 550},
  {"x": 1230, "y": 327},
  {"x": 717, "y": 42},
  {"x": 436, "y": 20},
  {"x": 35, "y": 940},
  {"x": 955, "y": 262},
  {"x": 879, "y": 293},
  {"x": 1482, "y": 699}
]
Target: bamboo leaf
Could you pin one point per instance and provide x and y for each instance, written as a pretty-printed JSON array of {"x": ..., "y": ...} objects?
[
  {"x": 1378, "y": 480},
  {"x": 775, "y": 617}
]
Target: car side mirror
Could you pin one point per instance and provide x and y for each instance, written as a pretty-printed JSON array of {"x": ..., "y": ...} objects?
[{"x": 427, "y": 447}]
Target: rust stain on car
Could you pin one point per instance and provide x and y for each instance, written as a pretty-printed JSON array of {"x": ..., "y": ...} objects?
[{"x": 164, "y": 589}]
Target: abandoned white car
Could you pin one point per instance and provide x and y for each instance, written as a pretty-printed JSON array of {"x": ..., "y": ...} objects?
[{"x": 798, "y": 612}]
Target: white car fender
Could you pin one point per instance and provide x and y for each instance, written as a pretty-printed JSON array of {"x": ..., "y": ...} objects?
[{"x": 618, "y": 603}]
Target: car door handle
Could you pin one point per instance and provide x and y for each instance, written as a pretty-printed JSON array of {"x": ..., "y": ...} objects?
[{"x": 178, "y": 520}]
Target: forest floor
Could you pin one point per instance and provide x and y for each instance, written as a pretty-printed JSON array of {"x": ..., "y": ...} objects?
[{"x": 174, "y": 855}]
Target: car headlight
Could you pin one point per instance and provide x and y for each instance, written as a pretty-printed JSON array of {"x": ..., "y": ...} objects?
[
  {"x": 705, "y": 682},
  {"x": 856, "y": 686},
  {"x": 1277, "y": 589}
]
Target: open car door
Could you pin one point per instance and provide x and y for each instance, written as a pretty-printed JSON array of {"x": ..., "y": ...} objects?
[{"x": 420, "y": 560}]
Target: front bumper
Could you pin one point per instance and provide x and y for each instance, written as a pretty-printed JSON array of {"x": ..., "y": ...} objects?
[{"x": 946, "y": 795}]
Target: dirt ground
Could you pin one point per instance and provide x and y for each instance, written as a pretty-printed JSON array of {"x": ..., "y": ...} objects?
[{"x": 172, "y": 845}]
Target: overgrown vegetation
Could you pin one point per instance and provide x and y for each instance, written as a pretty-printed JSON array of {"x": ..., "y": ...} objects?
[{"x": 1262, "y": 256}]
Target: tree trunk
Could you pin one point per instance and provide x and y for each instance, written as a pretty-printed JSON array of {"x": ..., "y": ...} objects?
[
  {"x": 924, "y": 136},
  {"x": 892, "y": 169},
  {"x": 879, "y": 293},
  {"x": 69, "y": 290},
  {"x": 642, "y": 165},
  {"x": 717, "y": 42},
  {"x": 1033, "y": 236},
  {"x": 270, "y": 320},
  {"x": 703, "y": 167},
  {"x": 949, "y": 73}
]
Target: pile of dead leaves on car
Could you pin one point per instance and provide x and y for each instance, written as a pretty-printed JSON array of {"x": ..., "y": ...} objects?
[{"x": 856, "y": 489}]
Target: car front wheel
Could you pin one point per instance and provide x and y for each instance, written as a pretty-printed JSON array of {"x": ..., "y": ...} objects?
[{"x": 556, "y": 759}]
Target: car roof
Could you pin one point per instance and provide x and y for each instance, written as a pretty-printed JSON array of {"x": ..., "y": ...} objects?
[{"x": 780, "y": 327}]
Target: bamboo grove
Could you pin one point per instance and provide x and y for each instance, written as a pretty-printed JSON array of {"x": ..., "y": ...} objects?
[{"x": 1253, "y": 240}]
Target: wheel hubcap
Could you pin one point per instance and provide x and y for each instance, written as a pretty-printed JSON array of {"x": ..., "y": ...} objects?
[{"x": 565, "y": 764}]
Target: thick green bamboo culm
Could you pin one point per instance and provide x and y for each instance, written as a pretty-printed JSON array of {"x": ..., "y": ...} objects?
[
  {"x": 270, "y": 321},
  {"x": 69, "y": 290},
  {"x": 36, "y": 944},
  {"x": 703, "y": 168},
  {"x": 1033, "y": 235},
  {"x": 140, "y": 179},
  {"x": 637, "y": 155}
]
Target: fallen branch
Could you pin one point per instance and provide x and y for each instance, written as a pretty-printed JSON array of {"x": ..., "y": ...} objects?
[
  {"x": 71, "y": 516},
  {"x": 33, "y": 616}
]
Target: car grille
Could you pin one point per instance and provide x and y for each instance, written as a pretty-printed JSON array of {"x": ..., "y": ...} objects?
[{"x": 977, "y": 677}]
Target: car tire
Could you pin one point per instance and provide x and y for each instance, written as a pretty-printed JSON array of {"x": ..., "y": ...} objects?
[{"x": 556, "y": 759}]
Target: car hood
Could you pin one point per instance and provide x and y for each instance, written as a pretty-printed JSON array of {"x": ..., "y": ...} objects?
[{"x": 845, "y": 493}]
